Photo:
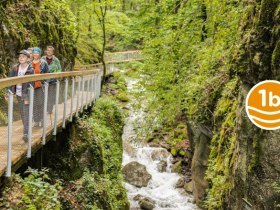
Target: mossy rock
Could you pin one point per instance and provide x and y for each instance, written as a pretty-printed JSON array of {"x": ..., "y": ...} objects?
[
  {"x": 132, "y": 73},
  {"x": 123, "y": 97},
  {"x": 181, "y": 126},
  {"x": 173, "y": 152},
  {"x": 177, "y": 167},
  {"x": 182, "y": 153},
  {"x": 117, "y": 75},
  {"x": 121, "y": 86}
]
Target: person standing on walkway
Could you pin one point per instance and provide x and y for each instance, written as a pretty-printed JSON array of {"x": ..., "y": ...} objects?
[
  {"x": 22, "y": 90},
  {"x": 54, "y": 66},
  {"x": 30, "y": 49},
  {"x": 40, "y": 67}
]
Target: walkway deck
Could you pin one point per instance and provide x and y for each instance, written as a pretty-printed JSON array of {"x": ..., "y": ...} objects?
[{"x": 19, "y": 147}]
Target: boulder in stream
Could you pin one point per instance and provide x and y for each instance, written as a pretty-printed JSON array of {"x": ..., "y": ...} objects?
[
  {"x": 159, "y": 154},
  {"x": 138, "y": 197},
  {"x": 177, "y": 167},
  {"x": 180, "y": 183},
  {"x": 136, "y": 174},
  {"x": 189, "y": 187},
  {"x": 147, "y": 203},
  {"x": 162, "y": 165}
]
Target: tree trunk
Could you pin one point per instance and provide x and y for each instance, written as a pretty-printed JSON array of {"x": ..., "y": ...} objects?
[{"x": 123, "y": 5}]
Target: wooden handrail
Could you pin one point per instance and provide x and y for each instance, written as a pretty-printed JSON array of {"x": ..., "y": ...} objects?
[
  {"x": 7, "y": 82},
  {"x": 132, "y": 51},
  {"x": 111, "y": 62},
  {"x": 78, "y": 99}
]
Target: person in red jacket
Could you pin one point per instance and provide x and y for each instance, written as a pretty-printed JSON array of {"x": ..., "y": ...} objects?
[{"x": 40, "y": 67}]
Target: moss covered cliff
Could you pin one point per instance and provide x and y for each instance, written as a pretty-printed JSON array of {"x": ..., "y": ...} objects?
[
  {"x": 255, "y": 165},
  {"x": 30, "y": 23}
]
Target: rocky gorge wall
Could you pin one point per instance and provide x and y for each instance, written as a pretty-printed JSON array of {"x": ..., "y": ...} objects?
[
  {"x": 30, "y": 23},
  {"x": 242, "y": 169}
]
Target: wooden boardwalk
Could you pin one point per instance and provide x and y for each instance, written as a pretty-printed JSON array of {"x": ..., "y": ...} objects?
[{"x": 19, "y": 147}]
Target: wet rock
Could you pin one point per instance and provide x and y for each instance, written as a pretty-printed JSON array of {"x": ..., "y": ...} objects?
[
  {"x": 177, "y": 167},
  {"x": 175, "y": 160},
  {"x": 138, "y": 197},
  {"x": 189, "y": 187},
  {"x": 114, "y": 92},
  {"x": 199, "y": 165},
  {"x": 154, "y": 144},
  {"x": 150, "y": 140},
  {"x": 136, "y": 174},
  {"x": 165, "y": 205},
  {"x": 159, "y": 154},
  {"x": 147, "y": 203},
  {"x": 165, "y": 145},
  {"x": 112, "y": 80},
  {"x": 126, "y": 108},
  {"x": 180, "y": 183},
  {"x": 162, "y": 165}
]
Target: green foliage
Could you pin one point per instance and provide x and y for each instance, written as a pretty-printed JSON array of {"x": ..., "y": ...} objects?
[
  {"x": 223, "y": 149},
  {"x": 117, "y": 88},
  {"x": 94, "y": 192},
  {"x": 188, "y": 57},
  {"x": 28, "y": 23},
  {"x": 176, "y": 139},
  {"x": 90, "y": 31},
  {"x": 102, "y": 132},
  {"x": 91, "y": 163},
  {"x": 38, "y": 193},
  {"x": 3, "y": 108},
  {"x": 173, "y": 152},
  {"x": 123, "y": 97},
  {"x": 120, "y": 81},
  {"x": 3, "y": 118},
  {"x": 277, "y": 189},
  {"x": 33, "y": 192},
  {"x": 221, "y": 161},
  {"x": 189, "y": 71}
]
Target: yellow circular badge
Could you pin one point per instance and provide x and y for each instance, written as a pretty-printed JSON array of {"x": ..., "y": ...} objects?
[{"x": 263, "y": 105}]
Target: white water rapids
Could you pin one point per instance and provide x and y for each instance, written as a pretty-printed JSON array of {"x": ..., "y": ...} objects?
[{"x": 161, "y": 188}]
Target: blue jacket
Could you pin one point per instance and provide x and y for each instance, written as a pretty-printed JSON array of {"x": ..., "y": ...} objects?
[{"x": 44, "y": 67}]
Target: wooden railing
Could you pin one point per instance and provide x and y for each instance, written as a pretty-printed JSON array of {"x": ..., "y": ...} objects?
[
  {"x": 72, "y": 91},
  {"x": 114, "y": 58}
]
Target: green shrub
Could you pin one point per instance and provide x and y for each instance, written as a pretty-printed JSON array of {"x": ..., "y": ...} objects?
[
  {"x": 33, "y": 192},
  {"x": 103, "y": 188},
  {"x": 123, "y": 97}
]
